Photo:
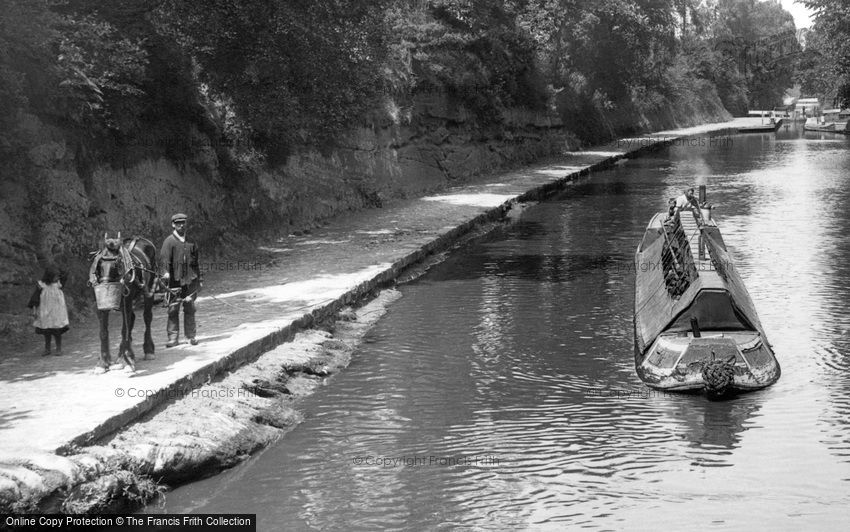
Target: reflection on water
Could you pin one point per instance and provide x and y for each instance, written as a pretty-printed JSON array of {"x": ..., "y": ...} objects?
[{"x": 500, "y": 392}]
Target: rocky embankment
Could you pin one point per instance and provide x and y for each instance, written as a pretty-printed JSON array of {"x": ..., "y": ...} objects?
[{"x": 198, "y": 434}]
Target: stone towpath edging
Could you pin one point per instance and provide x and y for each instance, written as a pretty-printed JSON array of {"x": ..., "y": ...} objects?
[{"x": 49, "y": 406}]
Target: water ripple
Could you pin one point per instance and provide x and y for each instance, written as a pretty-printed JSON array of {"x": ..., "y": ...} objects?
[{"x": 500, "y": 392}]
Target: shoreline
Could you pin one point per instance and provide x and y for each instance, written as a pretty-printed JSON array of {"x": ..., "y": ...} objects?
[{"x": 122, "y": 459}]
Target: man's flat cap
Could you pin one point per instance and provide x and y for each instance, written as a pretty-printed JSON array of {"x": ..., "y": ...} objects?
[{"x": 179, "y": 217}]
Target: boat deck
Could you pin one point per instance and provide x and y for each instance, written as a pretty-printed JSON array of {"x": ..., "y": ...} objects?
[{"x": 689, "y": 224}]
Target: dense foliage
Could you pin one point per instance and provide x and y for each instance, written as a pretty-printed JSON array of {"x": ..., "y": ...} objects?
[
  {"x": 70, "y": 68},
  {"x": 294, "y": 71},
  {"x": 267, "y": 75},
  {"x": 763, "y": 39},
  {"x": 470, "y": 49},
  {"x": 825, "y": 66}
]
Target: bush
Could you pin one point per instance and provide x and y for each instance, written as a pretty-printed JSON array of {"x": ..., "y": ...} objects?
[{"x": 474, "y": 51}]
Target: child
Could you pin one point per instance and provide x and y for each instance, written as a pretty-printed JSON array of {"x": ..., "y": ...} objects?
[{"x": 49, "y": 310}]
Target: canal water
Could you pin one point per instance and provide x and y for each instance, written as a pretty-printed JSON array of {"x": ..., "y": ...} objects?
[{"x": 500, "y": 392}]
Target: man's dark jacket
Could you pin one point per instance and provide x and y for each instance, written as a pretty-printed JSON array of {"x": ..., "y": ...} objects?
[{"x": 180, "y": 260}]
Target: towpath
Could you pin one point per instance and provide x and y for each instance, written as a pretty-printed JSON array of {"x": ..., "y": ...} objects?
[{"x": 49, "y": 403}]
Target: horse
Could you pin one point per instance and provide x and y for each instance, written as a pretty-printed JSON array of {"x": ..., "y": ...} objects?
[{"x": 132, "y": 262}]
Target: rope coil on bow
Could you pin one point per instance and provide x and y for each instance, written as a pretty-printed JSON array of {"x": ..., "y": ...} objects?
[{"x": 718, "y": 375}]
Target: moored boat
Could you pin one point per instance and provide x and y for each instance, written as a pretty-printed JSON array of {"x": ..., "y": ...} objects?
[
  {"x": 814, "y": 124},
  {"x": 841, "y": 118},
  {"x": 695, "y": 325},
  {"x": 768, "y": 127}
]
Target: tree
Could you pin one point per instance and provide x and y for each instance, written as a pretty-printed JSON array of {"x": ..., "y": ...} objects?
[
  {"x": 296, "y": 71},
  {"x": 27, "y": 30},
  {"x": 473, "y": 50},
  {"x": 66, "y": 67},
  {"x": 612, "y": 45},
  {"x": 760, "y": 37},
  {"x": 828, "y": 67}
]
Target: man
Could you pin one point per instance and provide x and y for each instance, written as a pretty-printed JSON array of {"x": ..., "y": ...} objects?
[
  {"x": 687, "y": 201},
  {"x": 181, "y": 270}
]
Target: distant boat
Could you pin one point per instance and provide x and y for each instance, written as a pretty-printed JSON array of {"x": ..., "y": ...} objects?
[
  {"x": 695, "y": 325},
  {"x": 814, "y": 124},
  {"x": 841, "y": 117},
  {"x": 773, "y": 125}
]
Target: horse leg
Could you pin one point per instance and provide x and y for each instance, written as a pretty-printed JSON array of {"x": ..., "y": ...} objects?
[
  {"x": 127, "y": 332},
  {"x": 105, "y": 358},
  {"x": 148, "y": 317}
]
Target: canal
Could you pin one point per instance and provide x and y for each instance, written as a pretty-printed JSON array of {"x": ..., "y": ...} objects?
[{"x": 500, "y": 391}]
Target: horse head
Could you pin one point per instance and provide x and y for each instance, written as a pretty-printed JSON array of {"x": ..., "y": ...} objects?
[
  {"x": 106, "y": 262},
  {"x": 112, "y": 244}
]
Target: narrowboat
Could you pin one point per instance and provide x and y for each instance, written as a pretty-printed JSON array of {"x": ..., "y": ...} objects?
[{"x": 695, "y": 325}]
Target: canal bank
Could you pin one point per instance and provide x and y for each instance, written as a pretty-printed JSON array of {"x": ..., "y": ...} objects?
[{"x": 58, "y": 447}]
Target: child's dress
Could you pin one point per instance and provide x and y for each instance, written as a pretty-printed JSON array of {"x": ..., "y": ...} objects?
[{"x": 52, "y": 317}]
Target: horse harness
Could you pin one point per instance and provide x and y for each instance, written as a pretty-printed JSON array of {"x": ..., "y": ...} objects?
[
  {"x": 125, "y": 262},
  {"x": 128, "y": 267}
]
